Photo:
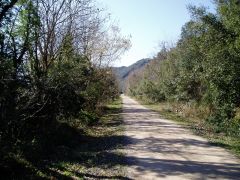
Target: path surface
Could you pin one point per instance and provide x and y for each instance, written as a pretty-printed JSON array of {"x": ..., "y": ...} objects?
[{"x": 161, "y": 149}]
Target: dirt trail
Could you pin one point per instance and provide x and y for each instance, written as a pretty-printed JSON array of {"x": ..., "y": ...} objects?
[{"x": 161, "y": 149}]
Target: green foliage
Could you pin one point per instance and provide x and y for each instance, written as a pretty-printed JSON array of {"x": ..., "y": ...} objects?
[
  {"x": 88, "y": 118},
  {"x": 47, "y": 80},
  {"x": 203, "y": 68}
]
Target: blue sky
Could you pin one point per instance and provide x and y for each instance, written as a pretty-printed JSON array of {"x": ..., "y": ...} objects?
[{"x": 149, "y": 22}]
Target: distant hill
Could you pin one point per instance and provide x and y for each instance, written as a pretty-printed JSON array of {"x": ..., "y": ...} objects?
[{"x": 123, "y": 72}]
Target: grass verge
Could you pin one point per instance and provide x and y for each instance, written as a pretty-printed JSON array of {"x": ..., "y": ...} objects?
[
  {"x": 198, "y": 126},
  {"x": 84, "y": 152}
]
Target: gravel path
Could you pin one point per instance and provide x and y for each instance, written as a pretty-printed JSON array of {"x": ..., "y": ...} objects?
[{"x": 161, "y": 149}]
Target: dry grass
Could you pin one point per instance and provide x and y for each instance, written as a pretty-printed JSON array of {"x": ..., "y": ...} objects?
[{"x": 193, "y": 117}]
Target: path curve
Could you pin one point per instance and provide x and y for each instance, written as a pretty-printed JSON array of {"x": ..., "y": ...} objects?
[{"x": 161, "y": 149}]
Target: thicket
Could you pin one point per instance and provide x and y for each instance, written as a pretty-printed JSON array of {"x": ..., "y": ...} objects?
[
  {"x": 202, "y": 70},
  {"x": 54, "y": 58}
]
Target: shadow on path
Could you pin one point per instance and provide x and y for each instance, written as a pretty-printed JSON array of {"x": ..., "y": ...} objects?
[{"x": 164, "y": 149}]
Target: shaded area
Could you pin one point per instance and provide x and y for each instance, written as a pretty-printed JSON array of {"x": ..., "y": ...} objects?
[
  {"x": 173, "y": 167},
  {"x": 97, "y": 152},
  {"x": 76, "y": 147},
  {"x": 89, "y": 151},
  {"x": 186, "y": 165},
  {"x": 138, "y": 110}
]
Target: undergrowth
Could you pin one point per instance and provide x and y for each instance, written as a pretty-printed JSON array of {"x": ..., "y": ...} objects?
[{"x": 77, "y": 151}]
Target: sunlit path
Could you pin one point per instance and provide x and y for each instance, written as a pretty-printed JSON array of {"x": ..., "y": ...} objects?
[{"x": 161, "y": 149}]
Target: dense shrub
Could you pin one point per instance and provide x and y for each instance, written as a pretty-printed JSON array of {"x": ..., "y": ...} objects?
[
  {"x": 202, "y": 68},
  {"x": 54, "y": 69}
]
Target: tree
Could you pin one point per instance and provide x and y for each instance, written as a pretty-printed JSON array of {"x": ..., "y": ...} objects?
[
  {"x": 54, "y": 66},
  {"x": 203, "y": 69}
]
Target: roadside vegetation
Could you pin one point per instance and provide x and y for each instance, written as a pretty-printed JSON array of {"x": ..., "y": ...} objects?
[
  {"x": 55, "y": 82},
  {"x": 198, "y": 126},
  {"x": 198, "y": 78},
  {"x": 79, "y": 151}
]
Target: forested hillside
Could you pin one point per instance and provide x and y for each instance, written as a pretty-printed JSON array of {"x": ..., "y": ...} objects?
[
  {"x": 54, "y": 75},
  {"x": 123, "y": 72},
  {"x": 200, "y": 76}
]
